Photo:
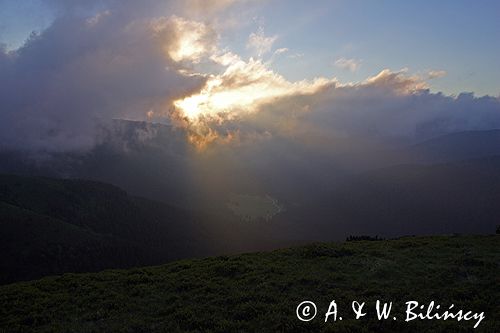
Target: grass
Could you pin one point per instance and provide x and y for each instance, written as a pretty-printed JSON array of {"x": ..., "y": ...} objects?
[{"x": 259, "y": 292}]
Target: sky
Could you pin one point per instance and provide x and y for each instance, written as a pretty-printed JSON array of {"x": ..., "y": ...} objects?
[
  {"x": 458, "y": 37},
  {"x": 236, "y": 70}
]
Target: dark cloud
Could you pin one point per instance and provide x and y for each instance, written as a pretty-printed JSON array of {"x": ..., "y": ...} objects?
[{"x": 81, "y": 71}]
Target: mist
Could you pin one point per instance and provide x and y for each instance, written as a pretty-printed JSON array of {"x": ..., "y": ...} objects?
[{"x": 148, "y": 98}]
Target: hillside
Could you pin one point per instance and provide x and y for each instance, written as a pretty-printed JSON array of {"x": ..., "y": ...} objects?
[
  {"x": 458, "y": 146},
  {"x": 259, "y": 292},
  {"x": 52, "y": 226},
  {"x": 155, "y": 161},
  {"x": 459, "y": 197}
]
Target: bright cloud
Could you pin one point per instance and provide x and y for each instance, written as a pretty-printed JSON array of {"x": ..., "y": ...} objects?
[
  {"x": 243, "y": 88},
  {"x": 77, "y": 74},
  {"x": 349, "y": 64},
  {"x": 281, "y": 50},
  {"x": 185, "y": 40},
  {"x": 259, "y": 43},
  {"x": 399, "y": 82},
  {"x": 436, "y": 74}
]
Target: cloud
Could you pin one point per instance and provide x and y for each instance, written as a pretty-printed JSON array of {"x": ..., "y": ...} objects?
[
  {"x": 281, "y": 50},
  {"x": 185, "y": 40},
  {"x": 260, "y": 43},
  {"x": 94, "y": 20},
  {"x": 250, "y": 102},
  {"x": 436, "y": 74},
  {"x": 398, "y": 106},
  {"x": 207, "y": 7},
  {"x": 296, "y": 55},
  {"x": 398, "y": 82},
  {"x": 126, "y": 61},
  {"x": 350, "y": 64},
  {"x": 60, "y": 87},
  {"x": 243, "y": 88}
]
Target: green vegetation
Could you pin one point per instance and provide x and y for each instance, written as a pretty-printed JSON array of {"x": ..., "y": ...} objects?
[
  {"x": 52, "y": 226},
  {"x": 259, "y": 292}
]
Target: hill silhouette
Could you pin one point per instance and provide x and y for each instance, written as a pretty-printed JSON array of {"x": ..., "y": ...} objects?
[{"x": 51, "y": 226}]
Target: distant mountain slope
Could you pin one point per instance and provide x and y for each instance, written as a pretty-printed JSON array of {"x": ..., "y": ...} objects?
[
  {"x": 461, "y": 197},
  {"x": 442, "y": 198},
  {"x": 143, "y": 158},
  {"x": 155, "y": 161},
  {"x": 458, "y": 146},
  {"x": 259, "y": 292},
  {"x": 33, "y": 245},
  {"x": 50, "y": 226},
  {"x": 96, "y": 206}
]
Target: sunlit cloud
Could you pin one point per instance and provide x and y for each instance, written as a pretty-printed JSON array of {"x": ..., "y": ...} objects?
[
  {"x": 436, "y": 74},
  {"x": 399, "y": 82},
  {"x": 243, "y": 88},
  {"x": 259, "y": 43},
  {"x": 350, "y": 64},
  {"x": 170, "y": 66},
  {"x": 207, "y": 7},
  {"x": 185, "y": 40},
  {"x": 247, "y": 98}
]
